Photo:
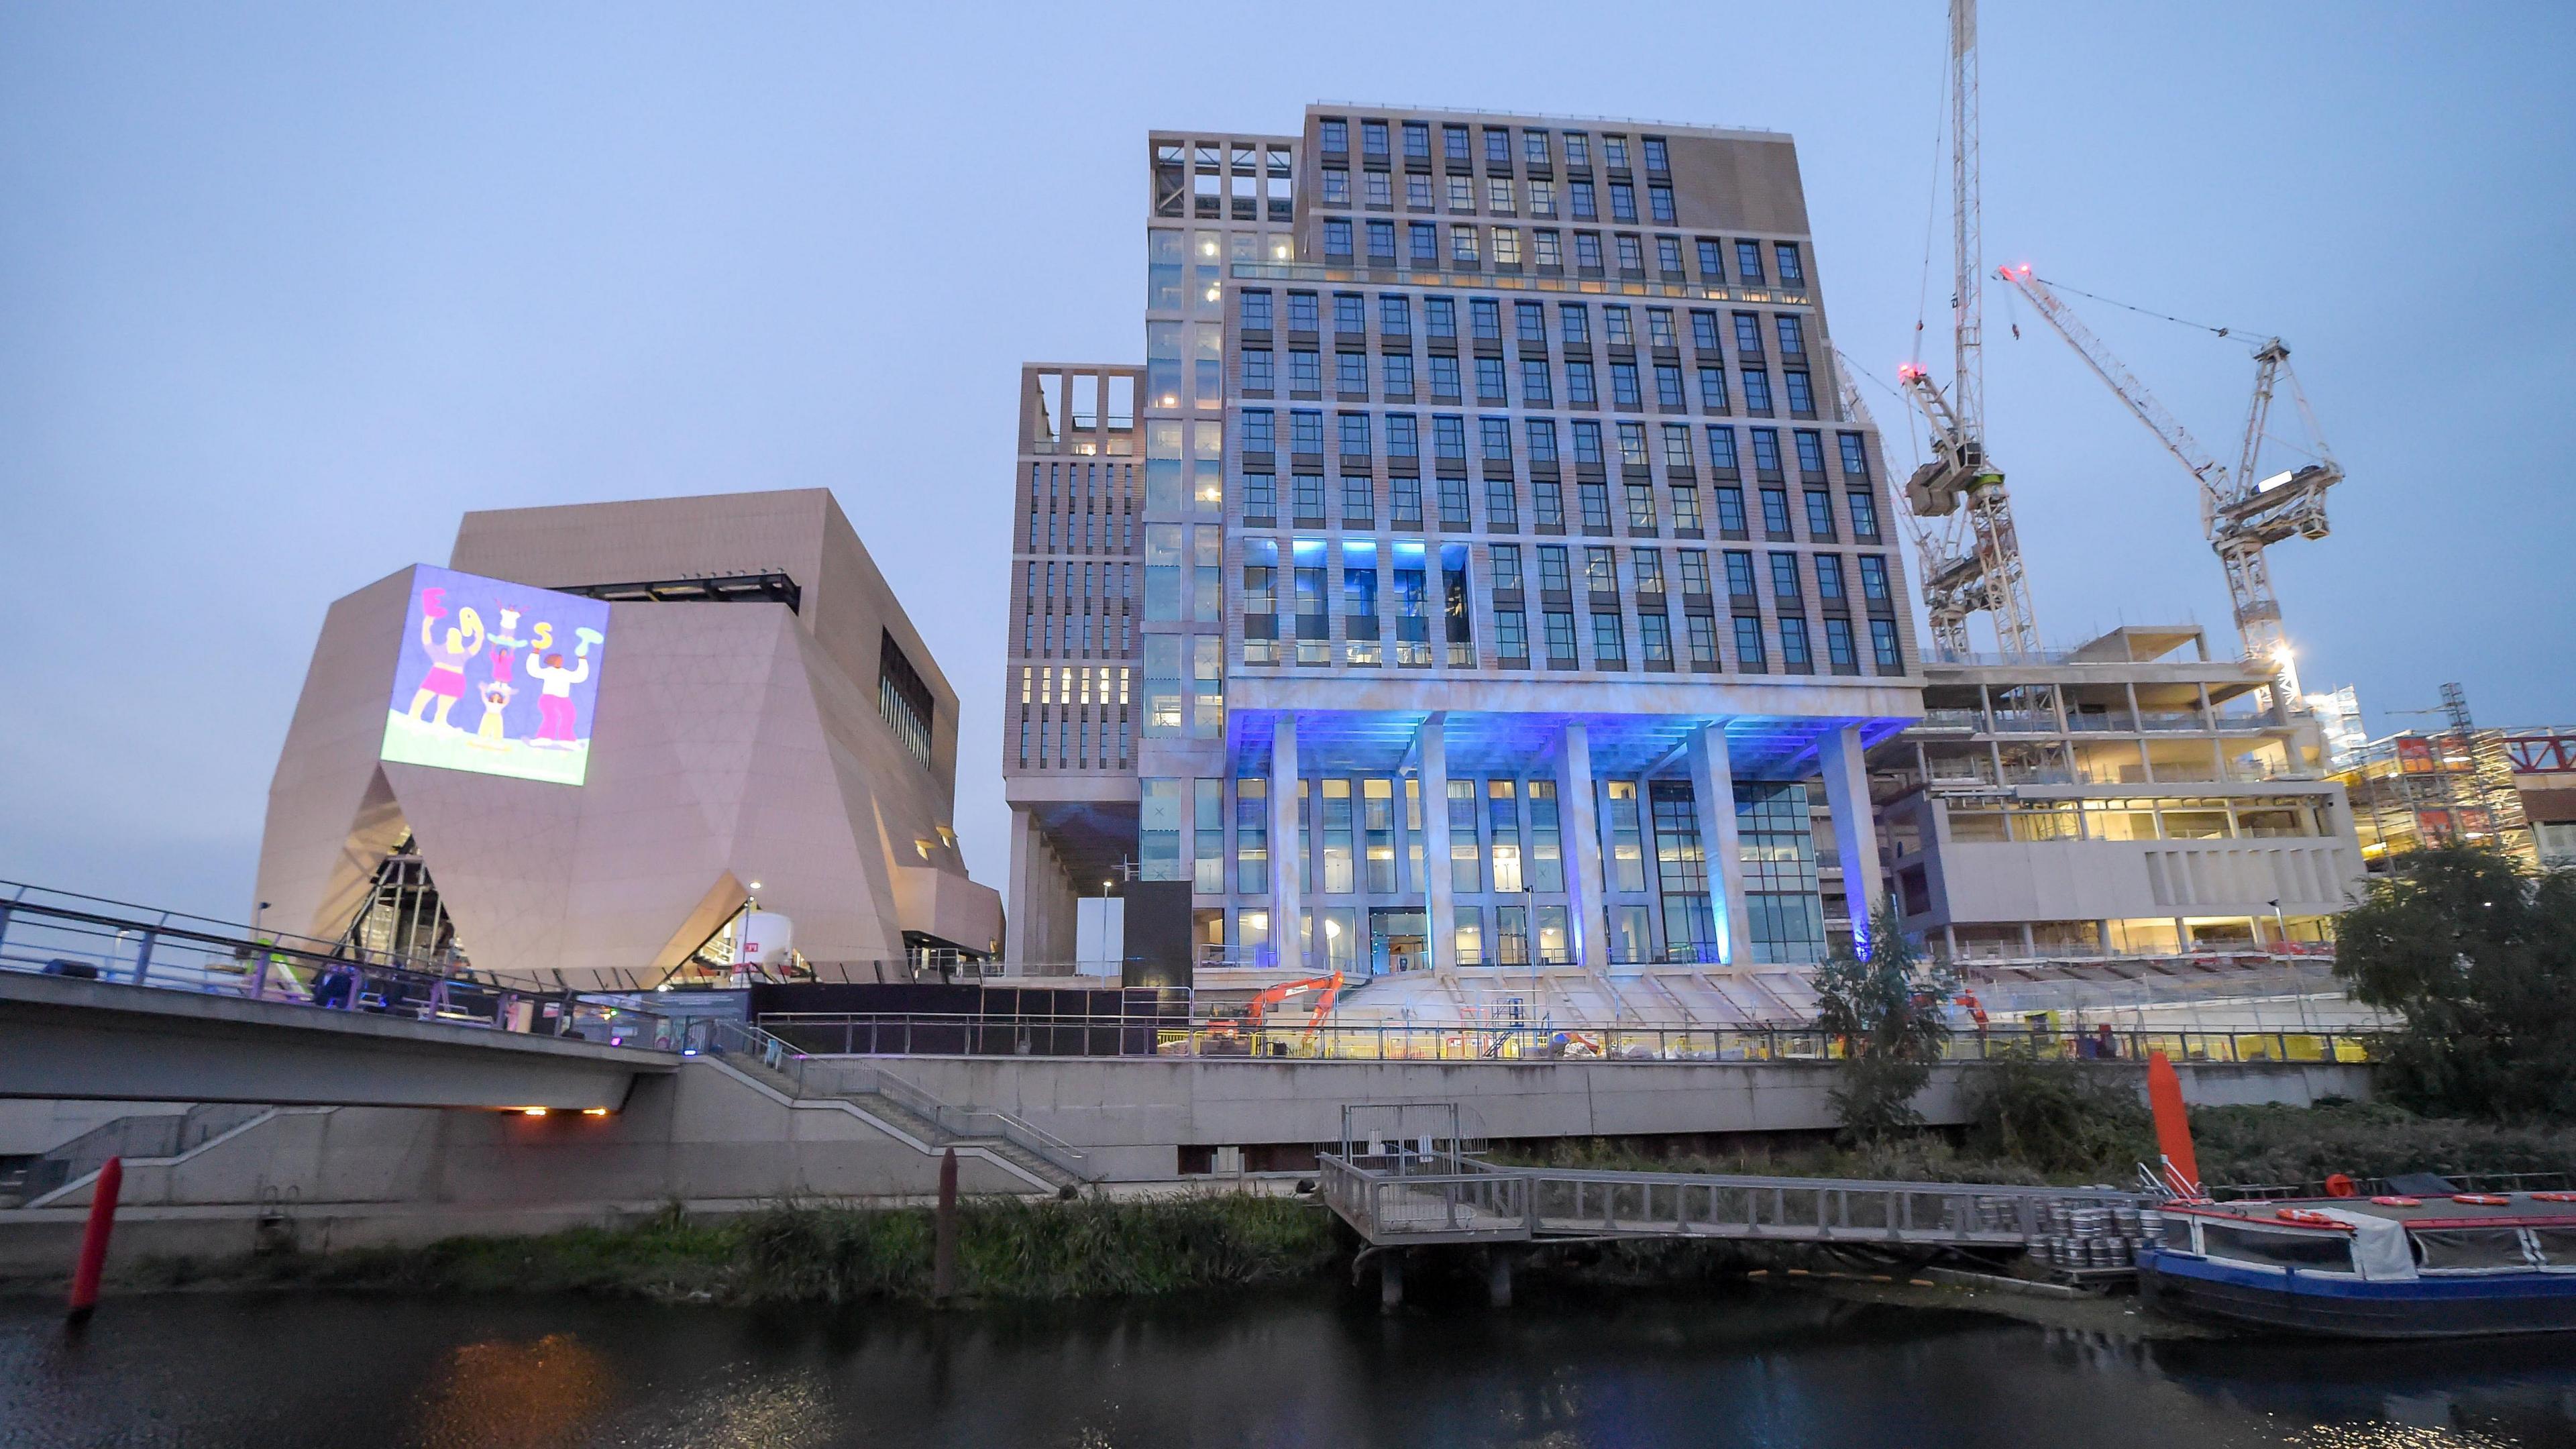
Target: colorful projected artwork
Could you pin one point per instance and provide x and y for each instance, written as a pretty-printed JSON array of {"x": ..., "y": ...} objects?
[{"x": 496, "y": 678}]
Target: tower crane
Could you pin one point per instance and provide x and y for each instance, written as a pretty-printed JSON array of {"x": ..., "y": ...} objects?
[
  {"x": 2243, "y": 512},
  {"x": 1943, "y": 559},
  {"x": 1983, "y": 572}
]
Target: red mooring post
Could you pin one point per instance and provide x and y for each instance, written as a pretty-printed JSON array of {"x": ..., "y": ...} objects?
[
  {"x": 943, "y": 1242},
  {"x": 93, "y": 1250}
]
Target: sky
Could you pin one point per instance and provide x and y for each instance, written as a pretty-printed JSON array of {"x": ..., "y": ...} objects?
[{"x": 285, "y": 290}]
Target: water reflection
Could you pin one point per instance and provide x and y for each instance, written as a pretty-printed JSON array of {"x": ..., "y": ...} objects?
[{"x": 1748, "y": 1368}]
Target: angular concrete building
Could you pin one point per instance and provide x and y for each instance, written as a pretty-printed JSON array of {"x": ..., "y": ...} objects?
[{"x": 765, "y": 725}]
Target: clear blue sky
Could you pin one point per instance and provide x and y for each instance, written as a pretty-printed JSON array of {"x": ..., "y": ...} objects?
[{"x": 284, "y": 290}]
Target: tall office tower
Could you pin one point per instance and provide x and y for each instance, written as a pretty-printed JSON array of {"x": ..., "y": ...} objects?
[{"x": 1411, "y": 377}]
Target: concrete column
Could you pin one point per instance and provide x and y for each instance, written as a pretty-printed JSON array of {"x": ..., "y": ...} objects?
[
  {"x": 1287, "y": 868},
  {"x": 1838, "y": 755},
  {"x": 1579, "y": 836},
  {"x": 1019, "y": 908},
  {"x": 1713, "y": 787},
  {"x": 1440, "y": 913}
]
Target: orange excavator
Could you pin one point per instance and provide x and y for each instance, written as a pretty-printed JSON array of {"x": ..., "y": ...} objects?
[{"x": 1239, "y": 1032}]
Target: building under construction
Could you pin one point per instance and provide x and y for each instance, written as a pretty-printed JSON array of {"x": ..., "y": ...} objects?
[{"x": 2513, "y": 789}]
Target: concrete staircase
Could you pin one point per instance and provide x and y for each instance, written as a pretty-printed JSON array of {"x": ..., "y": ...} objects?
[{"x": 905, "y": 1109}]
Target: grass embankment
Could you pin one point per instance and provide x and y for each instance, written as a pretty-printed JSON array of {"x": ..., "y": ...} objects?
[{"x": 1006, "y": 1250}]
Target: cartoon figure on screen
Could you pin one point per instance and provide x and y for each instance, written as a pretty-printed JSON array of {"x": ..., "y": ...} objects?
[
  {"x": 556, "y": 726},
  {"x": 445, "y": 681},
  {"x": 496, "y": 699}
]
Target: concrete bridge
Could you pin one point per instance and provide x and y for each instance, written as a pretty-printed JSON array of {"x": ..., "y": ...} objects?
[{"x": 64, "y": 1037}]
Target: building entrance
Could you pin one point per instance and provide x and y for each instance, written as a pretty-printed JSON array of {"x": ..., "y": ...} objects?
[{"x": 1398, "y": 941}]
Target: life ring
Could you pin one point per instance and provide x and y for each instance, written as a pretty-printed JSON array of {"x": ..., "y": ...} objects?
[
  {"x": 2481, "y": 1199},
  {"x": 2553, "y": 1197},
  {"x": 2394, "y": 1200},
  {"x": 2307, "y": 1219},
  {"x": 2340, "y": 1185}
]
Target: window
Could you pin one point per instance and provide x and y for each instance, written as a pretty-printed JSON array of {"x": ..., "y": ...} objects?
[
  {"x": 1511, "y": 635},
  {"x": 904, "y": 701},
  {"x": 1336, "y": 135},
  {"x": 1462, "y": 194},
  {"x": 1623, "y": 201},
  {"x": 1655, "y": 154},
  {"x": 1704, "y": 331},
  {"x": 1529, "y": 322},
  {"x": 1587, "y": 252},
  {"x": 1596, "y": 505},
  {"x": 1485, "y": 316},
  {"x": 1748, "y": 263},
  {"x": 1775, "y": 513},
  {"x": 1579, "y": 388},
  {"x": 1587, "y": 441},
  {"x": 1444, "y": 376},
  {"x": 1395, "y": 316},
  {"x": 1609, "y": 642},
  {"x": 1578, "y": 195},
  {"x": 1305, "y": 431},
  {"x": 1757, "y": 390},
  {"x": 1404, "y": 502},
  {"x": 1258, "y": 375},
  {"x": 1578, "y": 149},
  {"x": 1811, "y": 454},
  {"x": 1785, "y": 255},
  {"x": 1534, "y": 147},
  {"x": 1855, "y": 460},
  {"x": 1820, "y": 515},
  {"x": 1463, "y": 245},
  {"x": 1507, "y": 566},
  {"x": 1721, "y": 449},
  {"x": 1489, "y": 381},
  {"x": 1449, "y": 437},
  {"x": 1542, "y": 439},
  {"x": 1686, "y": 508},
  {"x": 1453, "y": 143},
  {"x": 1301, "y": 312},
  {"x": 1260, "y": 496},
  {"x": 1306, "y": 495},
  {"x": 1380, "y": 192},
  {"x": 1548, "y": 500},
  {"x": 1668, "y": 388},
  {"x": 1703, "y": 640},
  {"x": 1802, "y": 398},
  {"x": 1739, "y": 574},
  {"x": 1694, "y": 571},
  {"x": 1399, "y": 373},
  {"x": 1498, "y": 195},
  {"x": 1766, "y": 452},
  {"x": 1794, "y": 654},
  {"x": 1668, "y": 256},
  {"x": 1873, "y": 578},
  {"x": 1650, "y": 570},
  {"x": 1623, "y": 385},
  {"x": 1258, "y": 434},
  {"x": 1712, "y": 389},
  {"x": 1840, "y": 654},
  {"x": 1793, "y": 336},
  {"x": 1417, "y": 192},
  {"x": 1498, "y": 146},
  {"x": 1494, "y": 437},
  {"x": 1535, "y": 387},
  {"x": 1617, "y": 326},
  {"x": 1632, "y": 256},
  {"x": 1417, "y": 141},
  {"x": 1554, "y": 574},
  {"x": 1748, "y": 644},
  {"x": 1350, "y": 373},
  {"x": 1601, "y": 570},
  {"x": 1677, "y": 442},
  {"x": 1350, "y": 312},
  {"x": 1882, "y": 642},
  {"x": 1425, "y": 243},
  {"x": 1641, "y": 508},
  {"x": 1730, "y": 511},
  {"x": 1547, "y": 253},
  {"x": 1440, "y": 316},
  {"x": 1784, "y": 580},
  {"x": 1337, "y": 186},
  {"x": 1659, "y": 200},
  {"x": 1655, "y": 638},
  {"x": 1256, "y": 311},
  {"x": 1355, "y": 433},
  {"x": 1829, "y": 578},
  {"x": 1402, "y": 441},
  {"x": 1632, "y": 444},
  {"x": 1712, "y": 265},
  {"x": 1560, "y": 638}
]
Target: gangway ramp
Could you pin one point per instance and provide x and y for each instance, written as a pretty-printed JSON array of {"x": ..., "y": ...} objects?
[{"x": 1407, "y": 1198}]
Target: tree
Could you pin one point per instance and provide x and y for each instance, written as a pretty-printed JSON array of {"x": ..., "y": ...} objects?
[
  {"x": 1884, "y": 1001},
  {"x": 2479, "y": 957}
]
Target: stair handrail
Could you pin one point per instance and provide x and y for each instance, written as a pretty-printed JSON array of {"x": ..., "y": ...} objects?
[{"x": 956, "y": 1122}]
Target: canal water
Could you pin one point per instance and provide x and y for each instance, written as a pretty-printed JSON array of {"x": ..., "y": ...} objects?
[{"x": 1748, "y": 1367}]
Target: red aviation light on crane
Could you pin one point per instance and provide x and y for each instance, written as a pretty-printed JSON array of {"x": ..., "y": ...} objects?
[
  {"x": 2007, "y": 271},
  {"x": 1908, "y": 371}
]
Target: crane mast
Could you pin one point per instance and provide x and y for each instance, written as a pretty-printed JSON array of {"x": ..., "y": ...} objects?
[
  {"x": 1982, "y": 572},
  {"x": 2242, "y": 513}
]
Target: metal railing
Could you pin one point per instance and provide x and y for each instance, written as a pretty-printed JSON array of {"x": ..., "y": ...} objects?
[
  {"x": 1448, "y": 1198},
  {"x": 2375, "y": 1186},
  {"x": 90, "y": 938},
  {"x": 807, "y": 1077},
  {"x": 159, "y": 1134},
  {"x": 1536, "y": 1040}
]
